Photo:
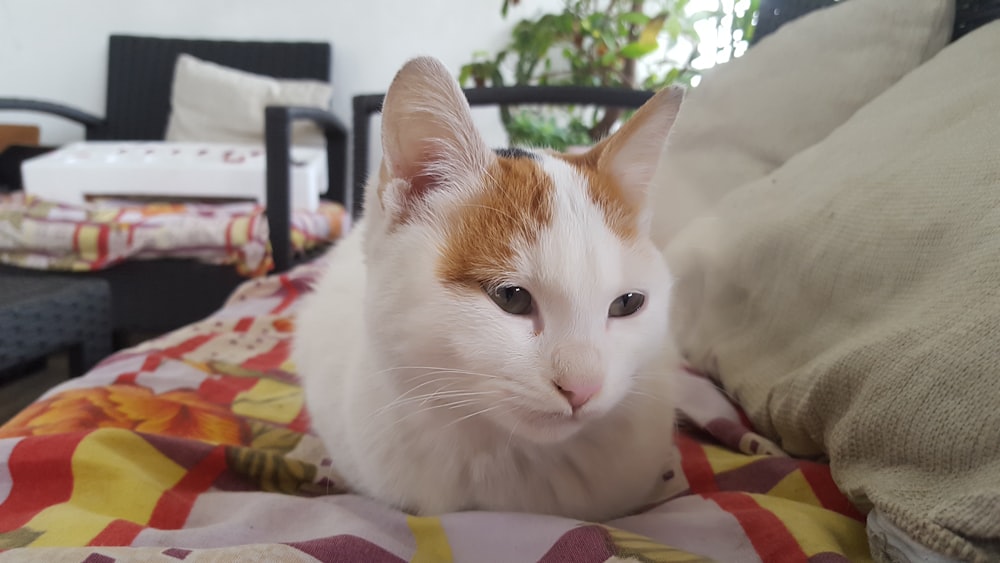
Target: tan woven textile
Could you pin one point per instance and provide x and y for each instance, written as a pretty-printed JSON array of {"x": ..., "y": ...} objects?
[
  {"x": 850, "y": 300},
  {"x": 749, "y": 116}
]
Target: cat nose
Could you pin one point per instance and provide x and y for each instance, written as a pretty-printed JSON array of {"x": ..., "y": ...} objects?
[{"x": 578, "y": 393}]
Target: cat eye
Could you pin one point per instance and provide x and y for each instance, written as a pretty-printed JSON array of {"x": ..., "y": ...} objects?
[
  {"x": 512, "y": 299},
  {"x": 626, "y": 305}
]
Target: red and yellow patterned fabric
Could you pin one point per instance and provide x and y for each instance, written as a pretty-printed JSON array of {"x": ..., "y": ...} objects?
[
  {"x": 44, "y": 235},
  {"x": 196, "y": 447}
]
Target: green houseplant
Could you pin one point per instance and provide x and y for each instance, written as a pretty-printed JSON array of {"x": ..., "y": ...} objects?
[{"x": 613, "y": 43}]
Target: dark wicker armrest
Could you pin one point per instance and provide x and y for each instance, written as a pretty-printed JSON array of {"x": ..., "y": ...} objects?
[
  {"x": 89, "y": 121},
  {"x": 277, "y": 139}
]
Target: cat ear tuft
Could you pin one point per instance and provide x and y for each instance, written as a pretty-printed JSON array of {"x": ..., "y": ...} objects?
[
  {"x": 429, "y": 140},
  {"x": 631, "y": 154}
]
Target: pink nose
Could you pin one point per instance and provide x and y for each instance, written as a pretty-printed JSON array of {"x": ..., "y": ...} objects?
[{"x": 578, "y": 394}]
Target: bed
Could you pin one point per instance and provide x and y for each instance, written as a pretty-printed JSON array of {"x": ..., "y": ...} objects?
[{"x": 196, "y": 446}]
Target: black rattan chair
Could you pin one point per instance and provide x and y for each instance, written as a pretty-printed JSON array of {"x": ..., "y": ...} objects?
[
  {"x": 158, "y": 295},
  {"x": 41, "y": 315}
]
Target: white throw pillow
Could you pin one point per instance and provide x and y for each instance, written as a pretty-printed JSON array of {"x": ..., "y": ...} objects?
[
  {"x": 788, "y": 92},
  {"x": 214, "y": 103}
]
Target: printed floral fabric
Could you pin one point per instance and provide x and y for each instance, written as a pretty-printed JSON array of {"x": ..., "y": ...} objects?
[
  {"x": 196, "y": 446},
  {"x": 44, "y": 235}
]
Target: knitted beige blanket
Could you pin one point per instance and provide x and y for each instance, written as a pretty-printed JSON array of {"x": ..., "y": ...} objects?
[{"x": 851, "y": 301}]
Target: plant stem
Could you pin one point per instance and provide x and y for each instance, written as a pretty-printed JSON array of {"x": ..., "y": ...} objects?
[{"x": 628, "y": 73}]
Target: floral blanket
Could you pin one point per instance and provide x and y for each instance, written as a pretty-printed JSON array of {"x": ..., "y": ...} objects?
[
  {"x": 44, "y": 235},
  {"x": 196, "y": 446}
]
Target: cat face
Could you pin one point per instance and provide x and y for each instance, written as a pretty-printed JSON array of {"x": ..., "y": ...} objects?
[{"x": 512, "y": 288}]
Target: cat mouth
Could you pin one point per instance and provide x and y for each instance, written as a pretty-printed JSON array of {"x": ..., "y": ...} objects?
[
  {"x": 546, "y": 427},
  {"x": 549, "y": 416},
  {"x": 552, "y": 418},
  {"x": 540, "y": 424}
]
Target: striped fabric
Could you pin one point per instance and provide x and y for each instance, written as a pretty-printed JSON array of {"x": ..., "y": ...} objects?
[
  {"x": 44, "y": 235},
  {"x": 195, "y": 447}
]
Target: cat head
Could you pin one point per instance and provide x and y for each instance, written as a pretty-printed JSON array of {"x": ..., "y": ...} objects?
[{"x": 518, "y": 287}]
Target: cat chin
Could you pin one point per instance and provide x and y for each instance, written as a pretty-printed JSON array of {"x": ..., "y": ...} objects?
[
  {"x": 553, "y": 433},
  {"x": 543, "y": 428}
]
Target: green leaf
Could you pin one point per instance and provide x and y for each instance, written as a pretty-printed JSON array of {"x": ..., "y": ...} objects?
[
  {"x": 587, "y": 43},
  {"x": 634, "y": 18},
  {"x": 652, "y": 30},
  {"x": 673, "y": 28},
  {"x": 671, "y": 76},
  {"x": 496, "y": 77},
  {"x": 637, "y": 50}
]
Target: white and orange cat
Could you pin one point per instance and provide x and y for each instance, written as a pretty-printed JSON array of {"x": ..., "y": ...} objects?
[{"x": 493, "y": 334}]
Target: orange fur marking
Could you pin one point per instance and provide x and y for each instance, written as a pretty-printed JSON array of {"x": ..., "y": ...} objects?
[
  {"x": 621, "y": 210},
  {"x": 620, "y": 214},
  {"x": 514, "y": 207}
]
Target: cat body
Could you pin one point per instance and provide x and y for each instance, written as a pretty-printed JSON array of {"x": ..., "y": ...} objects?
[{"x": 492, "y": 335}]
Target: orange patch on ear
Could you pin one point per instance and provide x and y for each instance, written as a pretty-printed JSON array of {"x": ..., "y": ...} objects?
[
  {"x": 514, "y": 206},
  {"x": 620, "y": 213}
]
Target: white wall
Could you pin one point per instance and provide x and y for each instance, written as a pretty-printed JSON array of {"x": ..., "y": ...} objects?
[{"x": 57, "y": 49}]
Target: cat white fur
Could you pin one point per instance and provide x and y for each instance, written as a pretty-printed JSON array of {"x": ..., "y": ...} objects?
[{"x": 436, "y": 400}]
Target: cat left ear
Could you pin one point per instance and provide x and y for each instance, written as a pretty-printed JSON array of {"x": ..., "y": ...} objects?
[
  {"x": 429, "y": 141},
  {"x": 632, "y": 153}
]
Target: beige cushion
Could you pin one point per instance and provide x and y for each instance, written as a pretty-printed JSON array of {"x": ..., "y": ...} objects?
[
  {"x": 850, "y": 301},
  {"x": 211, "y": 102},
  {"x": 788, "y": 92}
]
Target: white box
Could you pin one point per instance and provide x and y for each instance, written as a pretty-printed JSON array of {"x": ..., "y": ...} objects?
[{"x": 79, "y": 171}]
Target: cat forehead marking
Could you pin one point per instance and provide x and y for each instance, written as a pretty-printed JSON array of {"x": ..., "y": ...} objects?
[
  {"x": 620, "y": 214},
  {"x": 516, "y": 204},
  {"x": 513, "y": 207}
]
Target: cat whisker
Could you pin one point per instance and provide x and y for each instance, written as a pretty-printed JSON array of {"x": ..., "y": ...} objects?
[
  {"x": 404, "y": 396},
  {"x": 427, "y": 397},
  {"x": 438, "y": 369},
  {"x": 431, "y": 382},
  {"x": 468, "y": 416},
  {"x": 457, "y": 375},
  {"x": 444, "y": 395},
  {"x": 400, "y": 368},
  {"x": 444, "y": 401},
  {"x": 513, "y": 429},
  {"x": 394, "y": 427},
  {"x": 452, "y": 404},
  {"x": 454, "y": 379},
  {"x": 460, "y": 404},
  {"x": 449, "y": 405},
  {"x": 443, "y": 392}
]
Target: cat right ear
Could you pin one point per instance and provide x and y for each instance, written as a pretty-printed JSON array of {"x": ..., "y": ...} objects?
[{"x": 429, "y": 141}]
